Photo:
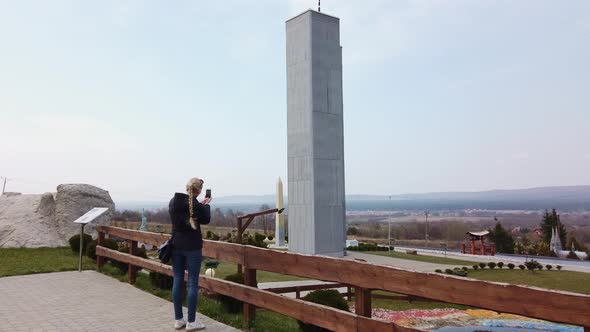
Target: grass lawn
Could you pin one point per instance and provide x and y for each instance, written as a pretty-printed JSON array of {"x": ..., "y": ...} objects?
[
  {"x": 577, "y": 282},
  {"x": 420, "y": 258},
  {"x": 20, "y": 261}
]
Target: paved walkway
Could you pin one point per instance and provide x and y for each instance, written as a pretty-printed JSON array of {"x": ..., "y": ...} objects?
[
  {"x": 84, "y": 301},
  {"x": 398, "y": 262}
]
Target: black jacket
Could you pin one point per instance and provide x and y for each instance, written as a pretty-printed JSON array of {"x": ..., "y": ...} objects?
[{"x": 185, "y": 237}]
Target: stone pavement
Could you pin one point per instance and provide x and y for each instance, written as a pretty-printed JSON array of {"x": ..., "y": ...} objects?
[{"x": 84, "y": 301}]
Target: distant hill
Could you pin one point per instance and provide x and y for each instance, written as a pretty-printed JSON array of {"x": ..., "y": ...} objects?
[
  {"x": 564, "y": 198},
  {"x": 576, "y": 193}
]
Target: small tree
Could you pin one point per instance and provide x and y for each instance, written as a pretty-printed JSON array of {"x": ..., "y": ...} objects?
[
  {"x": 500, "y": 265},
  {"x": 511, "y": 266},
  {"x": 550, "y": 221},
  {"x": 482, "y": 265},
  {"x": 548, "y": 267},
  {"x": 475, "y": 267},
  {"x": 502, "y": 239},
  {"x": 491, "y": 265},
  {"x": 522, "y": 267},
  {"x": 558, "y": 267}
]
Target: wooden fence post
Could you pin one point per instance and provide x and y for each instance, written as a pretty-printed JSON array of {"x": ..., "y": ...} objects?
[
  {"x": 249, "y": 309},
  {"x": 362, "y": 301},
  {"x": 100, "y": 259},
  {"x": 348, "y": 292},
  {"x": 132, "y": 271}
]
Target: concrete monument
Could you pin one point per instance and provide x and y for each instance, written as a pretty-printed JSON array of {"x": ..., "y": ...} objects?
[{"x": 315, "y": 135}]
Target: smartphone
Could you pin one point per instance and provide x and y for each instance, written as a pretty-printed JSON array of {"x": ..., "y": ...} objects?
[{"x": 208, "y": 193}]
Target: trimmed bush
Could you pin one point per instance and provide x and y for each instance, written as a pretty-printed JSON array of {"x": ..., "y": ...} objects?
[
  {"x": 511, "y": 266},
  {"x": 500, "y": 265},
  {"x": 558, "y": 267},
  {"x": 91, "y": 248},
  {"x": 211, "y": 263},
  {"x": 438, "y": 271},
  {"x": 449, "y": 271},
  {"x": 368, "y": 247},
  {"x": 230, "y": 304},
  {"x": 161, "y": 281},
  {"x": 533, "y": 264},
  {"x": 464, "y": 268},
  {"x": 124, "y": 266},
  {"x": 75, "y": 242},
  {"x": 328, "y": 297},
  {"x": 482, "y": 265},
  {"x": 549, "y": 267},
  {"x": 522, "y": 267},
  {"x": 460, "y": 273},
  {"x": 259, "y": 237},
  {"x": 208, "y": 235},
  {"x": 475, "y": 267},
  {"x": 491, "y": 265}
]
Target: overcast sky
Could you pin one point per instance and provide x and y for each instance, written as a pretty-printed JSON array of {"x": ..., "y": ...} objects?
[{"x": 138, "y": 96}]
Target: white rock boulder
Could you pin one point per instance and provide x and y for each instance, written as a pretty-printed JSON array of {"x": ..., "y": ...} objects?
[{"x": 47, "y": 220}]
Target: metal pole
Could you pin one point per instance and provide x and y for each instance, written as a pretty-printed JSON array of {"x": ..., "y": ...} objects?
[
  {"x": 81, "y": 246},
  {"x": 4, "y": 186},
  {"x": 389, "y": 227}
]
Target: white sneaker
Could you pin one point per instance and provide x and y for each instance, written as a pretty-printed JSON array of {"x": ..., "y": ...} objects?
[
  {"x": 194, "y": 326},
  {"x": 179, "y": 323}
]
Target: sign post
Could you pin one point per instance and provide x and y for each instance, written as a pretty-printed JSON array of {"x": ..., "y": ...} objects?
[{"x": 83, "y": 220}]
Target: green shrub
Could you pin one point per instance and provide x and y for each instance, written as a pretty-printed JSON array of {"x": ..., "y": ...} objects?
[
  {"x": 125, "y": 266},
  {"x": 449, "y": 271},
  {"x": 482, "y": 265},
  {"x": 500, "y": 265},
  {"x": 558, "y": 267},
  {"x": 460, "y": 273},
  {"x": 475, "y": 266},
  {"x": 328, "y": 297},
  {"x": 259, "y": 237},
  {"x": 522, "y": 267},
  {"x": 270, "y": 237},
  {"x": 533, "y": 264},
  {"x": 75, "y": 242},
  {"x": 511, "y": 266},
  {"x": 211, "y": 263},
  {"x": 208, "y": 234},
  {"x": 161, "y": 281},
  {"x": 465, "y": 268},
  {"x": 230, "y": 304},
  {"x": 438, "y": 271},
  {"x": 91, "y": 248},
  {"x": 491, "y": 265},
  {"x": 549, "y": 267}
]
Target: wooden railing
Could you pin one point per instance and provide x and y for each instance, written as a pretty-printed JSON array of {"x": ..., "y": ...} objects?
[{"x": 556, "y": 306}]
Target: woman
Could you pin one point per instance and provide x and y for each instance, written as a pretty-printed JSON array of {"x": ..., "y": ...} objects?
[{"x": 187, "y": 214}]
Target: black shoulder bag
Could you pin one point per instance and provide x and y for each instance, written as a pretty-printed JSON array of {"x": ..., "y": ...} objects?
[{"x": 165, "y": 250}]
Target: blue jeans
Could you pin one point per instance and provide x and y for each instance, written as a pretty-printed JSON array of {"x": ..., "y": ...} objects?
[{"x": 190, "y": 260}]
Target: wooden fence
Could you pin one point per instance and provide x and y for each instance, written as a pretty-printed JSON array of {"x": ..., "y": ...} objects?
[{"x": 556, "y": 306}]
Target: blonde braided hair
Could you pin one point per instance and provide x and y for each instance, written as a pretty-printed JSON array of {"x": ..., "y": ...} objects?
[{"x": 193, "y": 185}]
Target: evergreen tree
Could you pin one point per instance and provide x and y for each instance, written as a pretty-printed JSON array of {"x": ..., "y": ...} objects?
[
  {"x": 502, "y": 239},
  {"x": 550, "y": 221}
]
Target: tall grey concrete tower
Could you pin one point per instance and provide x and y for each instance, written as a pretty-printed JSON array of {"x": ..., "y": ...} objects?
[{"x": 315, "y": 135}]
